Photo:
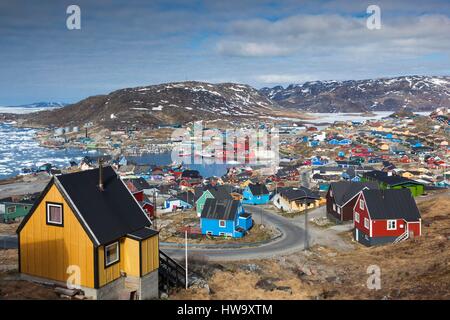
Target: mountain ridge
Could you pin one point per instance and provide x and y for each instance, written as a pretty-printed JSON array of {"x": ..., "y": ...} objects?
[
  {"x": 167, "y": 103},
  {"x": 418, "y": 93}
]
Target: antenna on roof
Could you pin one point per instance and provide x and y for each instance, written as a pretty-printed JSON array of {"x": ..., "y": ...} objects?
[{"x": 100, "y": 174}]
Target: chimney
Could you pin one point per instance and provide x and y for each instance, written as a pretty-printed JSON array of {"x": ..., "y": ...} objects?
[{"x": 100, "y": 174}]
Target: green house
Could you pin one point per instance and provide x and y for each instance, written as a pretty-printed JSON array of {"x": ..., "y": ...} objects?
[
  {"x": 388, "y": 180},
  {"x": 212, "y": 192},
  {"x": 9, "y": 211}
]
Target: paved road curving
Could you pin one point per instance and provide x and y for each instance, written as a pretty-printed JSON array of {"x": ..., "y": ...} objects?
[{"x": 292, "y": 239}]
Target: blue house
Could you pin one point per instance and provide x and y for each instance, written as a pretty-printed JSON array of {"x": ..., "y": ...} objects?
[
  {"x": 183, "y": 201},
  {"x": 255, "y": 194},
  {"x": 317, "y": 162},
  {"x": 314, "y": 143},
  {"x": 225, "y": 218},
  {"x": 123, "y": 161},
  {"x": 345, "y": 142}
]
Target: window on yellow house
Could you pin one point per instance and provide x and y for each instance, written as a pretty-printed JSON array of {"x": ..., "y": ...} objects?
[
  {"x": 111, "y": 253},
  {"x": 54, "y": 214}
]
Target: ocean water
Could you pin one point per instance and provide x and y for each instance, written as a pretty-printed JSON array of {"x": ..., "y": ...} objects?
[
  {"x": 332, "y": 117},
  {"x": 23, "y": 110},
  {"x": 19, "y": 149}
]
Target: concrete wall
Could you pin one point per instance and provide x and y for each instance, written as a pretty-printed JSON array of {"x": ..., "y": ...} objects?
[
  {"x": 149, "y": 288},
  {"x": 113, "y": 291}
]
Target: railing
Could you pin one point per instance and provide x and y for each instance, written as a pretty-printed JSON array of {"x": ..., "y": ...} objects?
[
  {"x": 171, "y": 272},
  {"x": 403, "y": 236}
]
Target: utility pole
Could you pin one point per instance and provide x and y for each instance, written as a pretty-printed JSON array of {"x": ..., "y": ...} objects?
[
  {"x": 261, "y": 213},
  {"x": 154, "y": 209},
  {"x": 306, "y": 231},
  {"x": 186, "y": 258}
]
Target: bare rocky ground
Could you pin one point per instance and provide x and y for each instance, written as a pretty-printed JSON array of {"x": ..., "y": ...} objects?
[
  {"x": 23, "y": 185},
  {"x": 9, "y": 228},
  {"x": 414, "y": 269}
]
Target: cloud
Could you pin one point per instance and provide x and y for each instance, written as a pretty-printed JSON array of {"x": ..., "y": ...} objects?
[
  {"x": 252, "y": 49},
  {"x": 256, "y": 42},
  {"x": 283, "y": 78},
  {"x": 333, "y": 34}
]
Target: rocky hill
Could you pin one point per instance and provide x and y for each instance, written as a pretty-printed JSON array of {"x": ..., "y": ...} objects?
[
  {"x": 171, "y": 103},
  {"x": 417, "y": 93}
]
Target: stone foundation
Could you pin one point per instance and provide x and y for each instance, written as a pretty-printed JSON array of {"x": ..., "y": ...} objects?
[{"x": 120, "y": 289}]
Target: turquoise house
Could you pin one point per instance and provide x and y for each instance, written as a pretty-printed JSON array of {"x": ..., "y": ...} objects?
[{"x": 256, "y": 194}]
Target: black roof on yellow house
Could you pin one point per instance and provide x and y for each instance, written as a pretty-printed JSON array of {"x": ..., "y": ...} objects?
[{"x": 107, "y": 213}]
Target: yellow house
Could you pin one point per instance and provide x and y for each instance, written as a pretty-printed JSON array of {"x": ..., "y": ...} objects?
[
  {"x": 245, "y": 183},
  {"x": 292, "y": 200},
  {"x": 88, "y": 231},
  {"x": 407, "y": 175}
]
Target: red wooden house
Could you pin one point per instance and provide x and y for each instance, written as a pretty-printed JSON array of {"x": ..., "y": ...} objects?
[
  {"x": 385, "y": 216},
  {"x": 148, "y": 207},
  {"x": 137, "y": 187},
  {"x": 341, "y": 198}
]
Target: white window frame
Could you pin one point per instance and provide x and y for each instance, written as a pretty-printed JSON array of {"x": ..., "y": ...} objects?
[
  {"x": 334, "y": 207},
  {"x": 339, "y": 210},
  {"x": 361, "y": 204},
  {"x": 395, "y": 225},
  {"x": 107, "y": 264},
  {"x": 59, "y": 223},
  {"x": 357, "y": 217},
  {"x": 366, "y": 223},
  {"x": 224, "y": 223},
  {"x": 12, "y": 211}
]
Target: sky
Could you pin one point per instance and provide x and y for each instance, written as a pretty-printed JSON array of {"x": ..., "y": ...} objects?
[{"x": 262, "y": 43}]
